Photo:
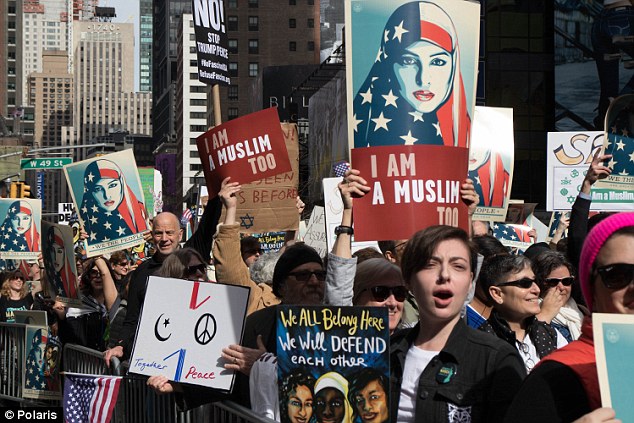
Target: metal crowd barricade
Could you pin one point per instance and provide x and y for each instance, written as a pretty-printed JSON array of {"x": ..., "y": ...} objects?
[
  {"x": 12, "y": 360},
  {"x": 137, "y": 403}
]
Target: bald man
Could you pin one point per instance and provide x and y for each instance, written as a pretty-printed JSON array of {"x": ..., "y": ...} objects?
[{"x": 166, "y": 235}]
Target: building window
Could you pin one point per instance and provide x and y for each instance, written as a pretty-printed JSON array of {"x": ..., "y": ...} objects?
[
  {"x": 292, "y": 23},
  {"x": 253, "y": 23},
  {"x": 197, "y": 102},
  {"x": 193, "y": 75},
  {"x": 233, "y": 46},
  {"x": 233, "y": 92},
  {"x": 253, "y": 3},
  {"x": 311, "y": 46},
  {"x": 233, "y": 113},
  {"x": 253, "y": 69},
  {"x": 193, "y": 62},
  {"x": 233, "y": 23},
  {"x": 233, "y": 68},
  {"x": 254, "y": 47},
  {"x": 311, "y": 2},
  {"x": 292, "y": 46},
  {"x": 310, "y": 23},
  {"x": 292, "y": 2},
  {"x": 233, "y": 4}
]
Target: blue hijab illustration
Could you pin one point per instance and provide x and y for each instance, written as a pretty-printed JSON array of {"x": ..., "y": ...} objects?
[
  {"x": 414, "y": 93},
  {"x": 18, "y": 231},
  {"x": 109, "y": 208}
]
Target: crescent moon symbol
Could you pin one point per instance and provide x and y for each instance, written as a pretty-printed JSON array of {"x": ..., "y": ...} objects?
[{"x": 156, "y": 332}]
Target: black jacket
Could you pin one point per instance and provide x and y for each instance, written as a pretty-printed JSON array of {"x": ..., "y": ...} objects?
[
  {"x": 200, "y": 241},
  {"x": 488, "y": 373},
  {"x": 543, "y": 336}
]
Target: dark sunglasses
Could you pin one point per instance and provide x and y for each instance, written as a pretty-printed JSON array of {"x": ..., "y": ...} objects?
[
  {"x": 191, "y": 270},
  {"x": 382, "y": 293},
  {"x": 617, "y": 275},
  {"x": 553, "y": 282},
  {"x": 123, "y": 263},
  {"x": 522, "y": 283},
  {"x": 305, "y": 275}
]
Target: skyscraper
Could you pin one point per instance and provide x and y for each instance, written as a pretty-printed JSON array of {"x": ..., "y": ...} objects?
[{"x": 145, "y": 45}]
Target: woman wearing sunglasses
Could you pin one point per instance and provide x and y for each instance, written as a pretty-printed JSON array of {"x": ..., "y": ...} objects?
[
  {"x": 554, "y": 275},
  {"x": 510, "y": 284},
  {"x": 379, "y": 283},
  {"x": 565, "y": 387}
]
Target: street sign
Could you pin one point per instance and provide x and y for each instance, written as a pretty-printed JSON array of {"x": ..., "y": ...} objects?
[{"x": 44, "y": 163}]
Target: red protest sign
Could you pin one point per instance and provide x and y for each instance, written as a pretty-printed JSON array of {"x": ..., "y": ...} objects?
[
  {"x": 248, "y": 149},
  {"x": 412, "y": 187}
]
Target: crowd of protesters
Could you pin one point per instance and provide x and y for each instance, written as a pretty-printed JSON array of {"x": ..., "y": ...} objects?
[{"x": 515, "y": 329}]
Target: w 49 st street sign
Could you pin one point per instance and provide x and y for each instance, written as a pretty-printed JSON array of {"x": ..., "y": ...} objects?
[{"x": 56, "y": 163}]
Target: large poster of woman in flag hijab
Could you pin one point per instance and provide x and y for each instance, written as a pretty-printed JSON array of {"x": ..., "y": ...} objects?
[
  {"x": 107, "y": 194},
  {"x": 411, "y": 69},
  {"x": 20, "y": 229},
  {"x": 59, "y": 262}
]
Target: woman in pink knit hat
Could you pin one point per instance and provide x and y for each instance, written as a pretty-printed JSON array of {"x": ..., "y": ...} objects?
[{"x": 564, "y": 387}]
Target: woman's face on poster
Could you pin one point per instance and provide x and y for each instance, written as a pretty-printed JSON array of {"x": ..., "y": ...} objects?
[
  {"x": 424, "y": 73},
  {"x": 478, "y": 157},
  {"x": 108, "y": 193},
  {"x": 300, "y": 405},
  {"x": 57, "y": 254},
  {"x": 21, "y": 223}
]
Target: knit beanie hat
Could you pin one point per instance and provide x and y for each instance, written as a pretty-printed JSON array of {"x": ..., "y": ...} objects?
[
  {"x": 294, "y": 256},
  {"x": 593, "y": 244}
]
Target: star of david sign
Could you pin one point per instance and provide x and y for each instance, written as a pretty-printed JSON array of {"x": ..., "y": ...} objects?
[
  {"x": 246, "y": 221},
  {"x": 205, "y": 329}
]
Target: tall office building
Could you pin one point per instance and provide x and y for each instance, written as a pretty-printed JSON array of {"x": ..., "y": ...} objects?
[
  {"x": 190, "y": 108},
  {"x": 51, "y": 93},
  {"x": 104, "y": 82},
  {"x": 45, "y": 27},
  {"x": 263, "y": 34},
  {"x": 167, "y": 16},
  {"x": 11, "y": 65},
  {"x": 145, "y": 45}
]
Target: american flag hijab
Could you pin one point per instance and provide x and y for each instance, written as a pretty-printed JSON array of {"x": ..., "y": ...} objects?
[
  {"x": 382, "y": 114},
  {"x": 64, "y": 280},
  {"x": 10, "y": 239},
  {"x": 102, "y": 225}
]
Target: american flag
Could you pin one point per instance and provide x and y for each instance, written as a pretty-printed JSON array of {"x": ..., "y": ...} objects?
[
  {"x": 621, "y": 146},
  {"x": 90, "y": 398},
  {"x": 340, "y": 168},
  {"x": 515, "y": 236},
  {"x": 186, "y": 217}
]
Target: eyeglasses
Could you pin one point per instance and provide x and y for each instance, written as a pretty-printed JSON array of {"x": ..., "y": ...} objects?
[
  {"x": 382, "y": 293},
  {"x": 617, "y": 275},
  {"x": 94, "y": 273},
  {"x": 192, "y": 270},
  {"x": 552, "y": 282},
  {"x": 123, "y": 264},
  {"x": 305, "y": 275},
  {"x": 522, "y": 283}
]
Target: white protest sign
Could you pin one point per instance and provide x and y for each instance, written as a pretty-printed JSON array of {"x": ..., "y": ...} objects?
[
  {"x": 316, "y": 232},
  {"x": 569, "y": 155},
  {"x": 334, "y": 213},
  {"x": 64, "y": 212},
  {"x": 184, "y": 326}
]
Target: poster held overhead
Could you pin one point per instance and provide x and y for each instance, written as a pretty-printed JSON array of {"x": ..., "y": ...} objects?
[
  {"x": 108, "y": 196},
  {"x": 491, "y": 156},
  {"x": 248, "y": 149},
  {"x": 20, "y": 230},
  {"x": 212, "y": 44},
  {"x": 58, "y": 252}
]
